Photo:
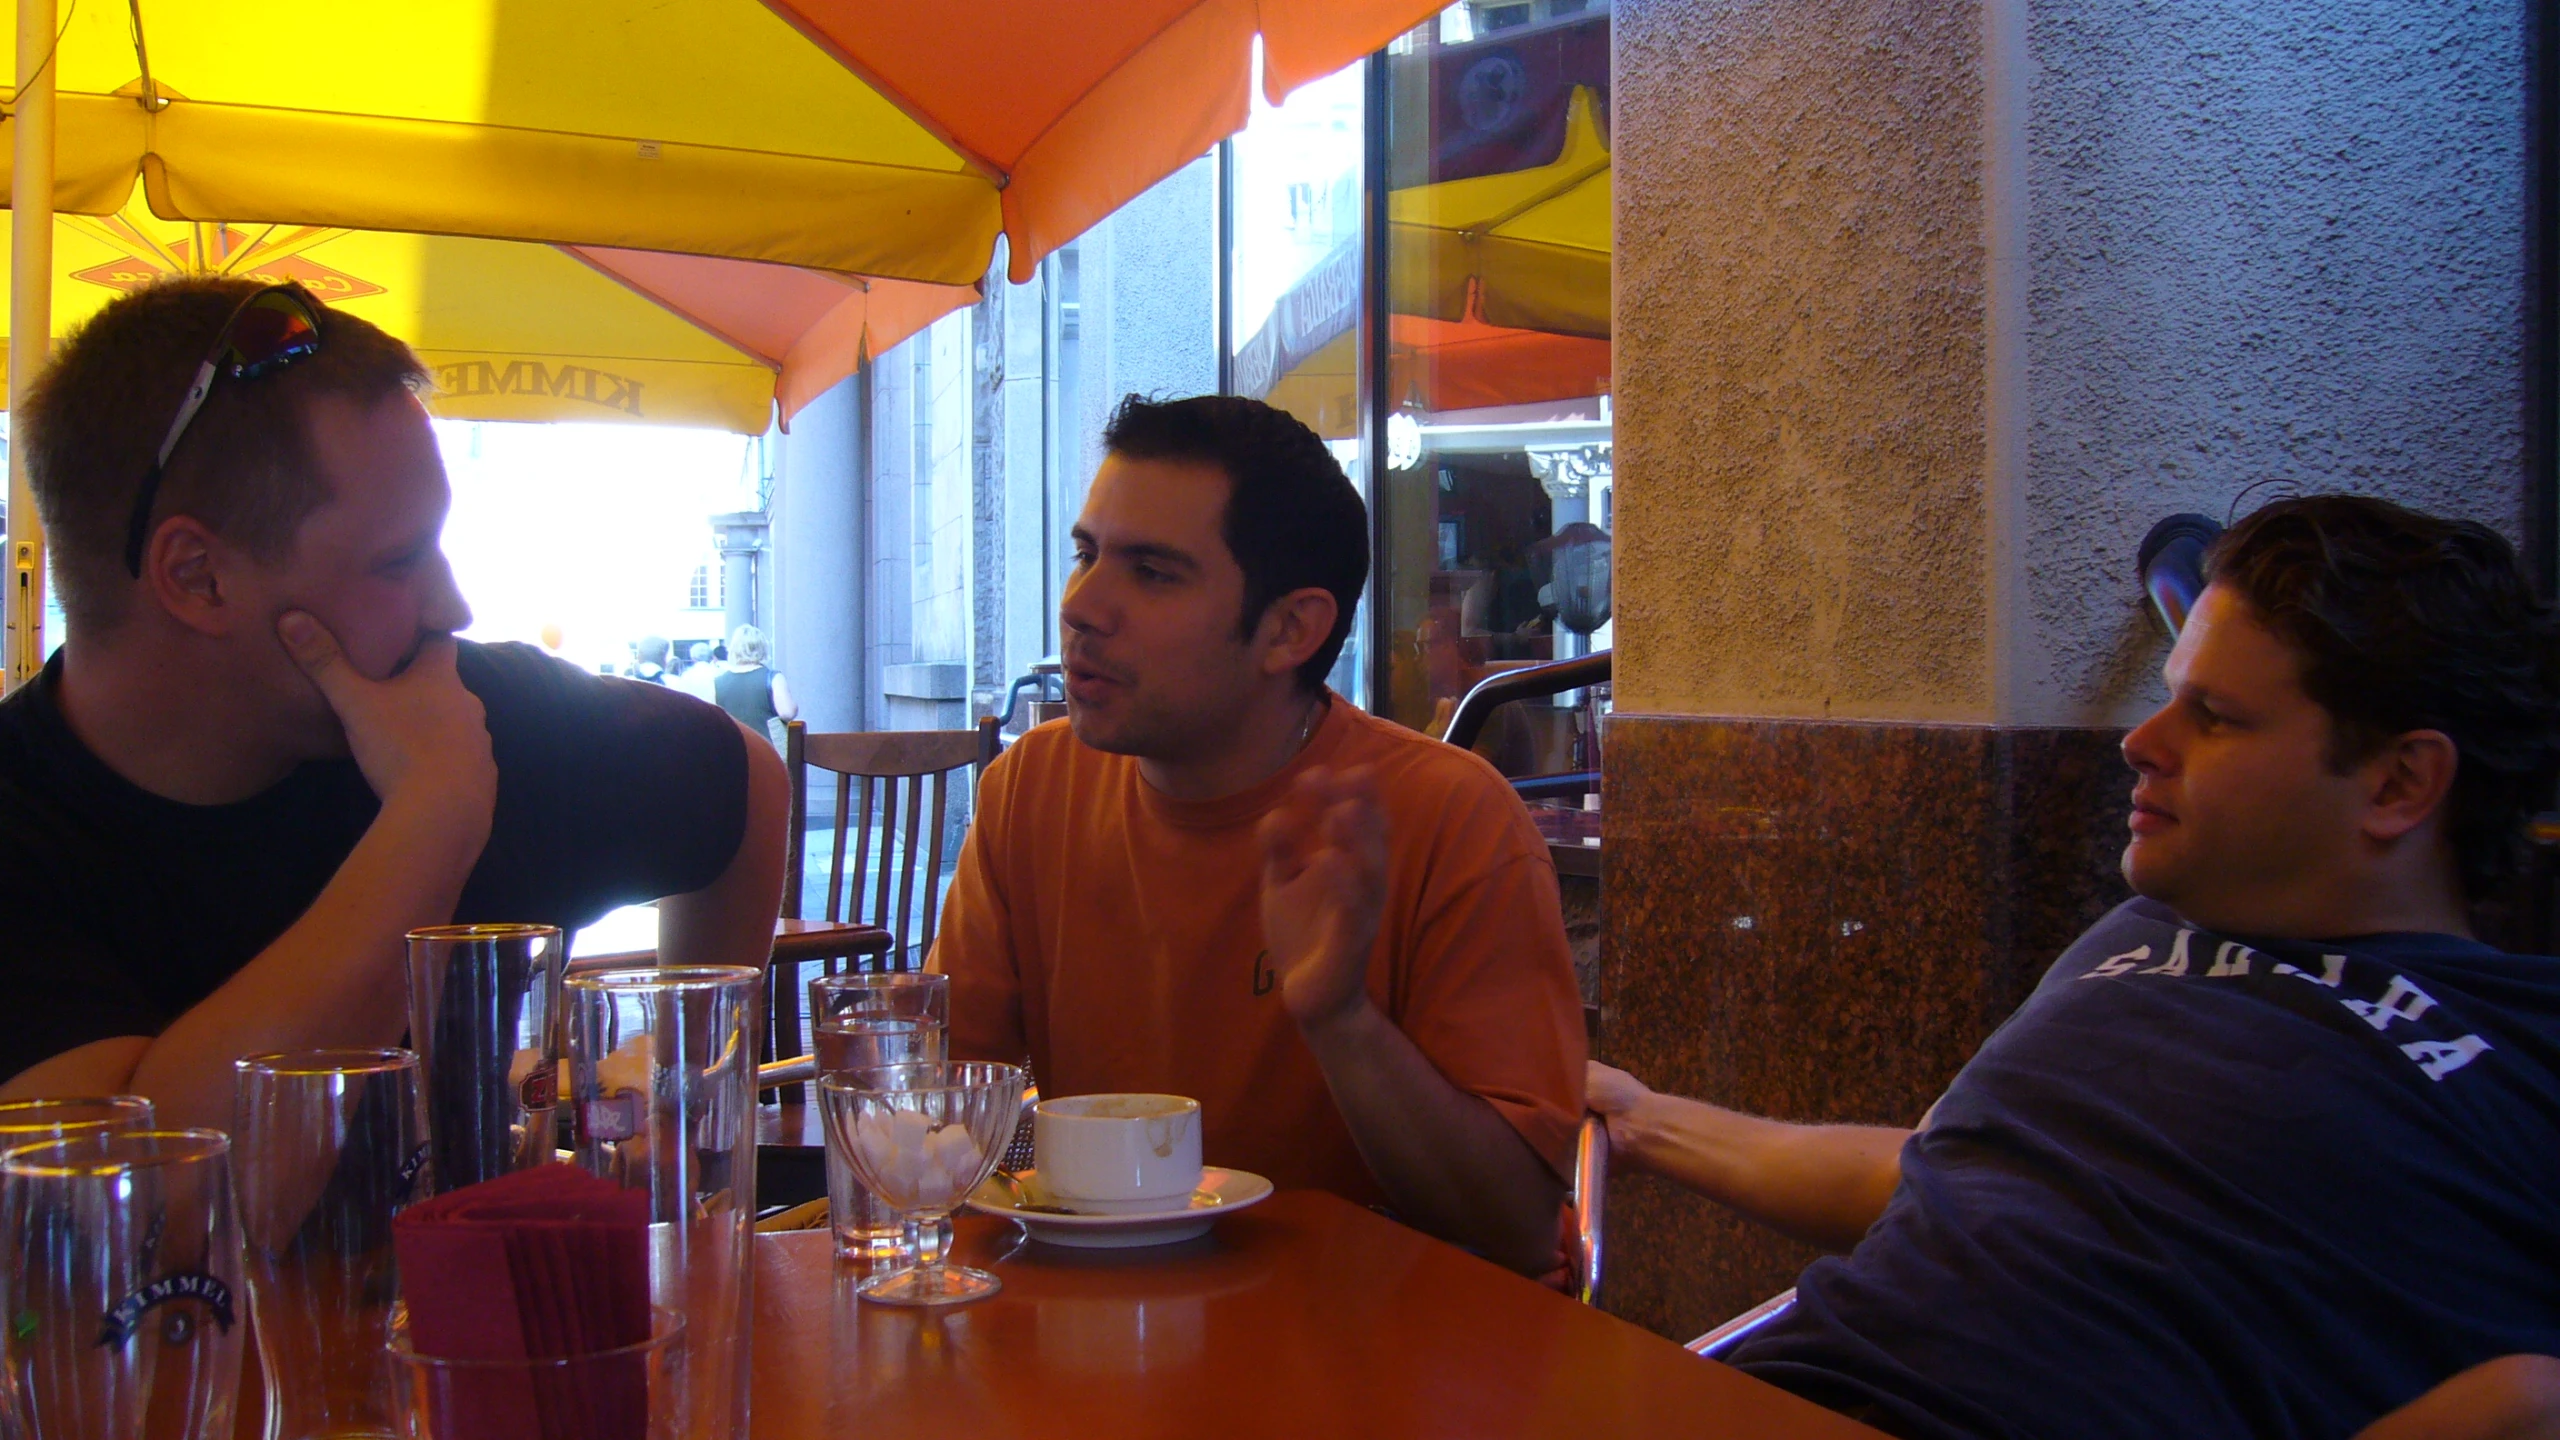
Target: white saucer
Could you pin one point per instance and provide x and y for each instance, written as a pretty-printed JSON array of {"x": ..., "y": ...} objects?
[{"x": 1221, "y": 1192}]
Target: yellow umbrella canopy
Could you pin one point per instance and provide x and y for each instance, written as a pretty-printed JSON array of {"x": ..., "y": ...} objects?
[
  {"x": 516, "y": 331},
  {"x": 1529, "y": 248},
  {"x": 704, "y": 127}
]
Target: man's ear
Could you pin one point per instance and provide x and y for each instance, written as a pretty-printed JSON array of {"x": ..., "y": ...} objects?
[
  {"x": 186, "y": 567},
  {"x": 1294, "y": 628},
  {"x": 2410, "y": 777}
]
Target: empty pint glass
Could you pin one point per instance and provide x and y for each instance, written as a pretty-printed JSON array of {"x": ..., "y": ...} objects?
[
  {"x": 662, "y": 1070},
  {"x": 862, "y": 1022},
  {"x": 484, "y": 1018},
  {"x": 328, "y": 1146},
  {"x": 120, "y": 1278}
]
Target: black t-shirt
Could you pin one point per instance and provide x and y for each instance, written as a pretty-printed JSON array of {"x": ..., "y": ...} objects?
[
  {"x": 120, "y": 910},
  {"x": 2200, "y": 1188}
]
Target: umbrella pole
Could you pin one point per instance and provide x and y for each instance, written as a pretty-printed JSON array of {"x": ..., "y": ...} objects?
[{"x": 30, "y": 324}]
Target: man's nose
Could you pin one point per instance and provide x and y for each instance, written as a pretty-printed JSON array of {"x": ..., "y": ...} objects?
[
  {"x": 2146, "y": 746},
  {"x": 445, "y": 611},
  {"x": 1080, "y": 608}
]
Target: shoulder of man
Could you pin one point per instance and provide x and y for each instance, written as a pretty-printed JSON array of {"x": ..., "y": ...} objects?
[
  {"x": 1422, "y": 776},
  {"x": 545, "y": 712},
  {"x": 522, "y": 684}
]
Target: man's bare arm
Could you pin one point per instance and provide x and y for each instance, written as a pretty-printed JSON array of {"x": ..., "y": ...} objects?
[
  {"x": 2514, "y": 1397},
  {"x": 1447, "y": 1159},
  {"x": 335, "y": 977},
  {"x": 730, "y": 920},
  {"x": 1823, "y": 1184},
  {"x": 1450, "y": 1164}
]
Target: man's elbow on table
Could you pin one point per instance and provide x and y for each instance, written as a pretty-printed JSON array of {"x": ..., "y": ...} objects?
[{"x": 101, "y": 1067}]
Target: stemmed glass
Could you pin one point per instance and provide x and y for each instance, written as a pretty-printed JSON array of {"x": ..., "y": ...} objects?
[{"x": 922, "y": 1137}]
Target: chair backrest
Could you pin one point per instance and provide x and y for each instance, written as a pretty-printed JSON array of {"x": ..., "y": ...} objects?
[{"x": 882, "y": 777}]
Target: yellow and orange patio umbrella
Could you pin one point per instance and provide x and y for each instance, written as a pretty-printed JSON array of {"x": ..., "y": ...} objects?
[
  {"x": 849, "y": 135},
  {"x": 846, "y": 136},
  {"x": 518, "y": 331}
]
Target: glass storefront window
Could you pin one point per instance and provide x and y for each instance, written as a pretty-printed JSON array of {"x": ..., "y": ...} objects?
[
  {"x": 1293, "y": 294},
  {"x": 1497, "y": 486}
]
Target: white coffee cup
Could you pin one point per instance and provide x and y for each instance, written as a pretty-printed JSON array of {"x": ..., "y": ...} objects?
[{"x": 1117, "y": 1154}]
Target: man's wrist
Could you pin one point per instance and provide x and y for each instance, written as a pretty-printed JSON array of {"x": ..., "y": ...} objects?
[
  {"x": 1342, "y": 1026},
  {"x": 446, "y": 823}
]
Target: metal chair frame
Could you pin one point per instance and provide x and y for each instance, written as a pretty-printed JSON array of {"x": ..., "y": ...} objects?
[{"x": 1723, "y": 1340}]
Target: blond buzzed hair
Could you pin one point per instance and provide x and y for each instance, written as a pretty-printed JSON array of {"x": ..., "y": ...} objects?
[{"x": 94, "y": 419}]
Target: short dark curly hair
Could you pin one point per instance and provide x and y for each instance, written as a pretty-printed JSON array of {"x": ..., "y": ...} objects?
[
  {"x": 2404, "y": 622},
  {"x": 1293, "y": 519}
]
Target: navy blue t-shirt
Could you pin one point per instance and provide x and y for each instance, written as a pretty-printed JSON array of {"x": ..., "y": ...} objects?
[
  {"x": 121, "y": 910},
  {"x": 2202, "y": 1188}
]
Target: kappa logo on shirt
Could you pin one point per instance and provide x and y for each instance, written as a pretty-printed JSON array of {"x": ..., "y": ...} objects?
[{"x": 2399, "y": 1001}]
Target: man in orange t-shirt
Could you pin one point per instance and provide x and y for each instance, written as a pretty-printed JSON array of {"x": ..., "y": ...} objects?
[{"x": 1219, "y": 879}]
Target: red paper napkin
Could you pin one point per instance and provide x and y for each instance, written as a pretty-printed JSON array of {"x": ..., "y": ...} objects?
[{"x": 540, "y": 1264}]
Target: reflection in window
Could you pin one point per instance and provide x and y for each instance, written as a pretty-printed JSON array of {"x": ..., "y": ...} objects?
[
  {"x": 1499, "y": 360},
  {"x": 1294, "y": 291}
]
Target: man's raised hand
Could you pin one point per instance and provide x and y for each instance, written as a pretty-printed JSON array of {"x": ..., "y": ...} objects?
[
  {"x": 419, "y": 736},
  {"x": 1324, "y": 884}
]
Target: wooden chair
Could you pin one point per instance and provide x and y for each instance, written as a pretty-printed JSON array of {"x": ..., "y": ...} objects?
[{"x": 890, "y": 771}]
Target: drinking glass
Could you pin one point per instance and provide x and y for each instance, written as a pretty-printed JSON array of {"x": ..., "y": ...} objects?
[
  {"x": 922, "y": 1137},
  {"x": 662, "y": 1071},
  {"x": 484, "y": 1017},
  {"x": 330, "y": 1145},
  {"x": 633, "y": 1392},
  {"x": 33, "y": 1122},
  {"x": 864, "y": 1021},
  {"x": 119, "y": 1261}
]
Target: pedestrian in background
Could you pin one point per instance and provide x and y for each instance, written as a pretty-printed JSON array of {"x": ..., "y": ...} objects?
[
  {"x": 649, "y": 659},
  {"x": 752, "y": 692}
]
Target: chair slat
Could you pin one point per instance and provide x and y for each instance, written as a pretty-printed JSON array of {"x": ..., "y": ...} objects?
[
  {"x": 884, "y": 875},
  {"x": 933, "y": 868},
  {"x": 907, "y": 873},
  {"x": 862, "y": 841},
  {"x": 835, "y": 863}
]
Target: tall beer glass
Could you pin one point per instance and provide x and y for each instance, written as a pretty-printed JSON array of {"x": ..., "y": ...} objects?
[
  {"x": 331, "y": 1144},
  {"x": 120, "y": 1277},
  {"x": 484, "y": 1018},
  {"x": 663, "y": 1073}
]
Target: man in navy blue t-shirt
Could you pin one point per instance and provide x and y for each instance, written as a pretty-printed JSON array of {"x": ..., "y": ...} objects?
[{"x": 2273, "y": 1150}]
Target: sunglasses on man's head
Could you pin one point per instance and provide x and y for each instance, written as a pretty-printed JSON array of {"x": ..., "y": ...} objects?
[{"x": 270, "y": 330}]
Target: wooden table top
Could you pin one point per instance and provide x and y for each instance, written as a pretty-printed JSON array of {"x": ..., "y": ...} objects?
[{"x": 1306, "y": 1315}]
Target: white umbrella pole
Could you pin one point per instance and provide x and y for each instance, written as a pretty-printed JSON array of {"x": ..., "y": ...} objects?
[{"x": 30, "y": 323}]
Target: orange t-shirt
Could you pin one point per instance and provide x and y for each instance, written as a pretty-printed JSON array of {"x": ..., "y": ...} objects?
[{"x": 1115, "y": 936}]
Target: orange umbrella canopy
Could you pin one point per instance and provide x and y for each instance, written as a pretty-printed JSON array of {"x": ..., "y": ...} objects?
[{"x": 1077, "y": 106}]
